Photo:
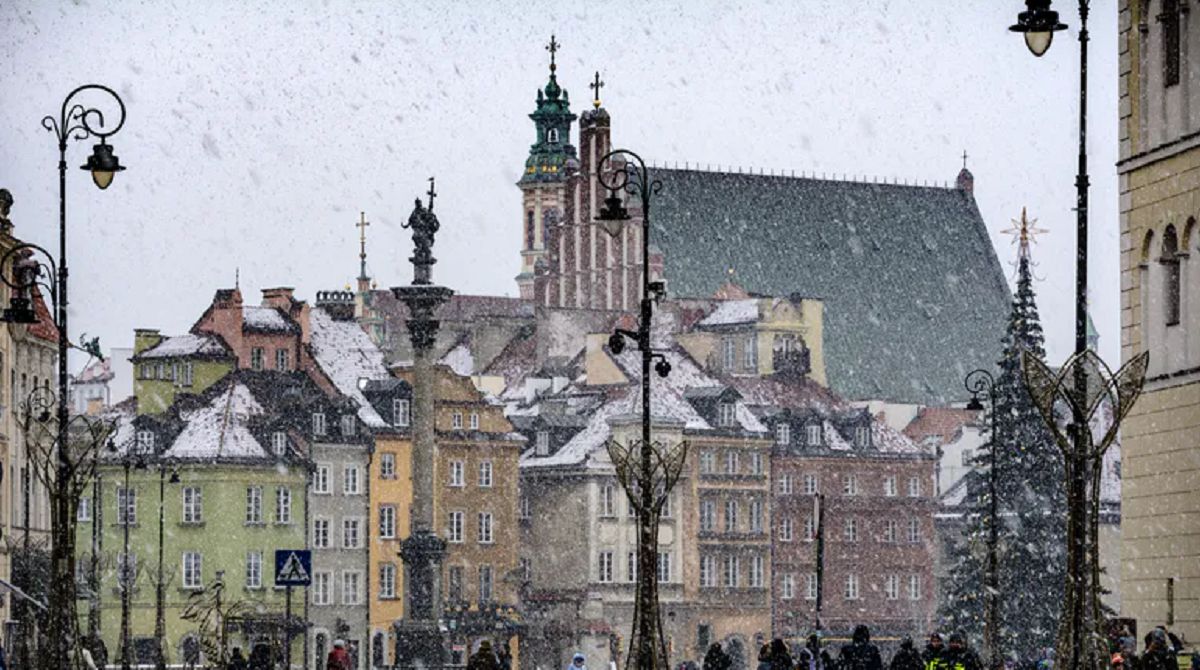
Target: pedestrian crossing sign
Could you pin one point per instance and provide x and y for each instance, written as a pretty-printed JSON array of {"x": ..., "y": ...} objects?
[{"x": 293, "y": 567}]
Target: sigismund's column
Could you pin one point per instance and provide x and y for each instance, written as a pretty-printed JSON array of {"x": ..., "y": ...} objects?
[{"x": 419, "y": 642}]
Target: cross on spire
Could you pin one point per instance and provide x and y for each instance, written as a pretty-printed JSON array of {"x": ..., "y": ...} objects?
[
  {"x": 552, "y": 47},
  {"x": 362, "y": 243},
  {"x": 432, "y": 193},
  {"x": 596, "y": 85},
  {"x": 964, "y": 157}
]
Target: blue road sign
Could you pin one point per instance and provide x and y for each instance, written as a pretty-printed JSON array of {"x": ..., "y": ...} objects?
[{"x": 293, "y": 567}]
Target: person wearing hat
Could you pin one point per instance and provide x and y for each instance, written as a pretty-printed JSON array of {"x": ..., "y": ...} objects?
[
  {"x": 960, "y": 656},
  {"x": 339, "y": 658},
  {"x": 860, "y": 654},
  {"x": 483, "y": 658},
  {"x": 907, "y": 658},
  {"x": 577, "y": 662},
  {"x": 935, "y": 652},
  {"x": 1159, "y": 655}
]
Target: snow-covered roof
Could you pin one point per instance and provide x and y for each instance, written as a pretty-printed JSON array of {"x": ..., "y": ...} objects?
[
  {"x": 460, "y": 360},
  {"x": 731, "y": 312},
  {"x": 220, "y": 429},
  {"x": 346, "y": 355},
  {"x": 190, "y": 344},
  {"x": 265, "y": 319}
]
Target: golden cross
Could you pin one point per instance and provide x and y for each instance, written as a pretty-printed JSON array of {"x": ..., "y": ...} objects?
[
  {"x": 596, "y": 86},
  {"x": 552, "y": 47}
]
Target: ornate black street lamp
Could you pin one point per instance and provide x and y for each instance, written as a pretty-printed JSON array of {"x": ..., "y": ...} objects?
[
  {"x": 35, "y": 267},
  {"x": 1068, "y": 399},
  {"x": 647, "y": 471},
  {"x": 977, "y": 382},
  {"x": 160, "y": 596}
]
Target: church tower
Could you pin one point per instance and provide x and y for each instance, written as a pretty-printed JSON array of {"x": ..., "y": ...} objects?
[{"x": 543, "y": 183}]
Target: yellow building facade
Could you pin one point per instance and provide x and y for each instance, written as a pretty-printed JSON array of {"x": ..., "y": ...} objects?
[{"x": 1159, "y": 179}]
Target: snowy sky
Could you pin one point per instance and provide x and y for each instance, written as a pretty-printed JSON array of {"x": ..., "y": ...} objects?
[{"x": 255, "y": 136}]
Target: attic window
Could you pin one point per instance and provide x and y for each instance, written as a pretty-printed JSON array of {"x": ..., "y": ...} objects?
[
  {"x": 726, "y": 418},
  {"x": 278, "y": 442},
  {"x": 783, "y": 434},
  {"x": 862, "y": 436},
  {"x": 542, "y": 448},
  {"x": 318, "y": 423},
  {"x": 347, "y": 425},
  {"x": 145, "y": 440},
  {"x": 814, "y": 434},
  {"x": 401, "y": 411}
]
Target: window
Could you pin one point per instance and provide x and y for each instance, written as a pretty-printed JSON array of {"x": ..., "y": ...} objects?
[
  {"x": 788, "y": 586},
  {"x": 278, "y": 442},
  {"x": 889, "y": 531},
  {"x": 256, "y": 358},
  {"x": 320, "y": 588},
  {"x": 810, "y": 528},
  {"x": 891, "y": 587},
  {"x": 283, "y": 505},
  {"x": 785, "y": 484},
  {"x": 456, "y": 420},
  {"x": 708, "y": 514},
  {"x": 708, "y": 571},
  {"x": 485, "y": 528},
  {"x": 889, "y": 486},
  {"x": 862, "y": 436},
  {"x": 756, "y": 572},
  {"x": 605, "y": 567},
  {"x": 850, "y": 485},
  {"x": 456, "y": 474},
  {"x": 192, "y": 505},
  {"x": 84, "y": 511},
  {"x": 543, "y": 443},
  {"x": 667, "y": 507},
  {"x": 454, "y": 531},
  {"x": 282, "y": 360},
  {"x": 749, "y": 354},
  {"x": 163, "y": 373},
  {"x": 608, "y": 499},
  {"x": 756, "y": 463},
  {"x": 851, "y": 589},
  {"x": 968, "y": 457},
  {"x": 850, "y": 530},
  {"x": 810, "y": 586},
  {"x": 401, "y": 411},
  {"x": 145, "y": 441},
  {"x": 321, "y": 479},
  {"x": 914, "y": 487},
  {"x": 454, "y": 583},
  {"x": 810, "y": 485},
  {"x": 320, "y": 533},
  {"x": 191, "y": 570},
  {"x": 914, "y": 587},
  {"x": 631, "y": 566},
  {"x": 731, "y": 516},
  {"x": 731, "y": 462},
  {"x": 126, "y": 506},
  {"x": 126, "y": 568},
  {"x": 351, "y": 533},
  {"x": 1170, "y": 263},
  {"x": 813, "y": 434},
  {"x": 473, "y": 421},
  {"x": 730, "y": 574},
  {"x": 187, "y": 373},
  {"x": 387, "y": 522},
  {"x": 485, "y": 583},
  {"x": 347, "y": 427},
  {"x": 785, "y": 530},
  {"x": 387, "y": 581},
  {"x": 914, "y": 531},
  {"x": 146, "y": 371},
  {"x": 1170, "y": 27},
  {"x": 708, "y": 462},
  {"x": 756, "y": 516},
  {"x": 253, "y": 505},
  {"x": 529, "y": 229},
  {"x": 783, "y": 434},
  {"x": 254, "y": 569},
  {"x": 524, "y": 508},
  {"x": 387, "y": 465},
  {"x": 729, "y": 351},
  {"x": 485, "y": 474},
  {"x": 318, "y": 423},
  {"x": 664, "y": 567},
  {"x": 351, "y": 482},
  {"x": 726, "y": 418},
  {"x": 552, "y": 135},
  {"x": 351, "y": 587},
  {"x": 525, "y": 566}
]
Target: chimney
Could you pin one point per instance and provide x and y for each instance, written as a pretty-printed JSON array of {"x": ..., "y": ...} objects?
[
  {"x": 224, "y": 317},
  {"x": 145, "y": 338},
  {"x": 280, "y": 298},
  {"x": 965, "y": 182},
  {"x": 338, "y": 304}
]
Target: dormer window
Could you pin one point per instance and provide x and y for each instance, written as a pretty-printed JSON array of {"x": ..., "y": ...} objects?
[
  {"x": 726, "y": 417},
  {"x": 347, "y": 425},
  {"x": 862, "y": 436},
  {"x": 783, "y": 434},
  {"x": 401, "y": 411},
  {"x": 552, "y": 136},
  {"x": 814, "y": 434},
  {"x": 318, "y": 423},
  {"x": 145, "y": 440},
  {"x": 278, "y": 442},
  {"x": 542, "y": 447}
]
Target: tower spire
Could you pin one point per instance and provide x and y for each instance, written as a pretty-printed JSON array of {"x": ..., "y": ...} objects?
[
  {"x": 552, "y": 47},
  {"x": 362, "y": 246}
]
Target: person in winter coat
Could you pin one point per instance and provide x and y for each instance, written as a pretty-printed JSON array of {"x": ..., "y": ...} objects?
[
  {"x": 813, "y": 657},
  {"x": 716, "y": 658},
  {"x": 960, "y": 656},
  {"x": 339, "y": 658},
  {"x": 860, "y": 654},
  {"x": 907, "y": 657},
  {"x": 935, "y": 652},
  {"x": 236, "y": 660},
  {"x": 577, "y": 662},
  {"x": 1159, "y": 655},
  {"x": 764, "y": 657},
  {"x": 483, "y": 658},
  {"x": 781, "y": 658}
]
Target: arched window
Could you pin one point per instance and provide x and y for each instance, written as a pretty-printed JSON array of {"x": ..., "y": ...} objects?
[
  {"x": 320, "y": 644},
  {"x": 529, "y": 229},
  {"x": 1169, "y": 18},
  {"x": 1170, "y": 263},
  {"x": 552, "y": 135}
]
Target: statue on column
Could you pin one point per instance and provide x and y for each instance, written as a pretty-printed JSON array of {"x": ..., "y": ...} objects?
[{"x": 424, "y": 225}]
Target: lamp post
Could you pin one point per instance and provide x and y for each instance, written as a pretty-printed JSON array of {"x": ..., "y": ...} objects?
[
  {"x": 977, "y": 382},
  {"x": 649, "y": 471},
  {"x": 1078, "y": 390},
  {"x": 160, "y": 598},
  {"x": 74, "y": 122}
]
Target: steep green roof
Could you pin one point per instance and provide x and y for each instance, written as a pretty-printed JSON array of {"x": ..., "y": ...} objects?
[{"x": 914, "y": 294}]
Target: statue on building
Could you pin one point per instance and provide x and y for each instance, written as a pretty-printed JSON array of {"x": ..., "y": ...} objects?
[{"x": 6, "y": 203}]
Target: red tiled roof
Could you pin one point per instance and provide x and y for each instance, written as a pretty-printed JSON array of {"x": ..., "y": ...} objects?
[{"x": 944, "y": 423}]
